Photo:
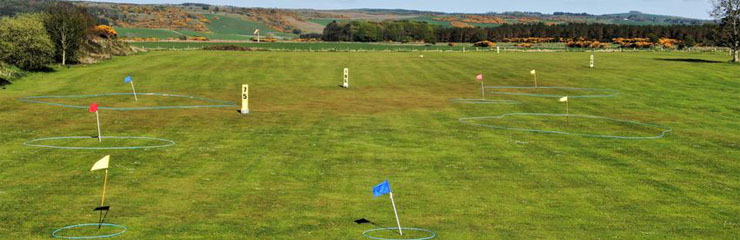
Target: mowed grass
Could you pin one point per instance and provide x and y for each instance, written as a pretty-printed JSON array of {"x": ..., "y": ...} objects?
[{"x": 302, "y": 164}]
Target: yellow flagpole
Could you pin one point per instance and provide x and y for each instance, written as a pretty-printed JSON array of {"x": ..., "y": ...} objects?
[
  {"x": 482, "y": 90},
  {"x": 105, "y": 183},
  {"x": 567, "y": 112}
]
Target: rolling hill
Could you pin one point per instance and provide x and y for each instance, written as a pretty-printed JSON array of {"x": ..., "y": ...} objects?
[{"x": 167, "y": 21}]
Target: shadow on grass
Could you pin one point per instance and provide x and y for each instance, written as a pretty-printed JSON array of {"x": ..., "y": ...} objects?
[
  {"x": 4, "y": 82},
  {"x": 46, "y": 69},
  {"x": 691, "y": 60}
]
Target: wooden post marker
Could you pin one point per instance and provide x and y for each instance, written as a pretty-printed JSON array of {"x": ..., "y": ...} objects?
[
  {"x": 592, "y": 61},
  {"x": 345, "y": 84},
  {"x": 245, "y": 99}
]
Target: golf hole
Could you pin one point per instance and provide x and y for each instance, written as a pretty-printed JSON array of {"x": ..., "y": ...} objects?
[
  {"x": 571, "y": 92},
  {"x": 391, "y": 233},
  {"x": 89, "y": 231},
  {"x": 569, "y": 124},
  {"x": 126, "y": 101},
  {"x": 483, "y": 101},
  {"x": 92, "y": 143}
]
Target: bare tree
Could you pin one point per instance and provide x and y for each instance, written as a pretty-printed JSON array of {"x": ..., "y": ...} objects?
[
  {"x": 67, "y": 25},
  {"x": 727, "y": 12}
]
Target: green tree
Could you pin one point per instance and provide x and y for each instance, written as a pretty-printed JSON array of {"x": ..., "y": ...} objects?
[
  {"x": 67, "y": 25},
  {"x": 688, "y": 42},
  {"x": 24, "y": 42}
]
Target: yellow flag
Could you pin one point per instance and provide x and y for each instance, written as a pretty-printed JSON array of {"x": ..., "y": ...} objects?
[
  {"x": 533, "y": 72},
  {"x": 101, "y": 164},
  {"x": 564, "y": 99},
  {"x": 256, "y": 31}
]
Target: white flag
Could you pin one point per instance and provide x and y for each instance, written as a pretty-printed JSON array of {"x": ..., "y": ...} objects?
[
  {"x": 256, "y": 31},
  {"x": 533, "y": 72},
  {"x": 564, "y": 99},
  {"x": 101, "y": 164}
]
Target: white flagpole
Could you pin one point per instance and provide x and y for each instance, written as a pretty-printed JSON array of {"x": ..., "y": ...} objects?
[
  {"x": 132, "y": 88},
  {"x": 97, "y": 116},
  {"x": 396, "y": 213},
  {"x": 535, "y": 80}
]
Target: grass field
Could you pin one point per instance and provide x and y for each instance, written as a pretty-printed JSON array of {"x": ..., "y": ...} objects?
[{"x": 302, "y": 164}]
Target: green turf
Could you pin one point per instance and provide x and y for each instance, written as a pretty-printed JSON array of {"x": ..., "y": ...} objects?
[{"x": 302, "y": 164}]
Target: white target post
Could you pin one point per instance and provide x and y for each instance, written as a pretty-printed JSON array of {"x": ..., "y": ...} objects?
[
  {"x": 591, "y": 63},
  {"x": 498, "y": 49},
  {"x": 345, "y": 83},
  {"x": 245, "y": 99}
]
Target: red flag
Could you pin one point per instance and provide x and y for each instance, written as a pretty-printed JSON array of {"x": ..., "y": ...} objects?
[
  {"x": 479, "y": 77},
  {"x": 94, "y": 107}
]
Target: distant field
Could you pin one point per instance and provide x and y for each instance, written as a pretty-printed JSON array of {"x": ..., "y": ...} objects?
[
  {"x": 325, "y": 21},
  {"x": 232, "y": 25},
  {"x": 302, "y": 164},
  {"x": 431, "y": 20},
  {"x": 222, "y": 28},
  {"x": 146, "y": 33}
]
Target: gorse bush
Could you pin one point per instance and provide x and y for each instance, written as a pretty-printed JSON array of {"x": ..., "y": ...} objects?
[
  {"x": 24, "y": 42},
  {"x": 104, "y": 31},
  {"x": 484, "y": 43}
]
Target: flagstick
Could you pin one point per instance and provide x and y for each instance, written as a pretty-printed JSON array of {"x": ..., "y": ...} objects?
[
  {"x": 132, "y": 87},
  {"x": 535, "y": 80},
  {"x": 105, "y": 183},
  {"x": 396, "y": 213},
  {"x": 482, "y": 90},
  {"x": 97, "y": 116},
  {"x": 567, "y": 112}
]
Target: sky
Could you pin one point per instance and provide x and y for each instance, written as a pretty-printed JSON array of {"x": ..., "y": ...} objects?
[{"x": 684, "y": 8}]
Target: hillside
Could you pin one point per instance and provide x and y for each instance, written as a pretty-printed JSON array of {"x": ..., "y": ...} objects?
[{"x": 167, "y": 21}]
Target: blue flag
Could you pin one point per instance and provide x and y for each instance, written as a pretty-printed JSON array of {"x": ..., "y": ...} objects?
[
  {"x": 128, "y": 79},
  {"x": 382, "y": 189}
]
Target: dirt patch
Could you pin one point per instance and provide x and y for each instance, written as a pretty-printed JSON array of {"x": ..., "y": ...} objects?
[{"x": 231, "y": 48}]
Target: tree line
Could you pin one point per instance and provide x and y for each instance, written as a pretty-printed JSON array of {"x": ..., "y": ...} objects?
[
  {"x": 416, "y": 31},
  {"x": 30, "y": 41}
]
